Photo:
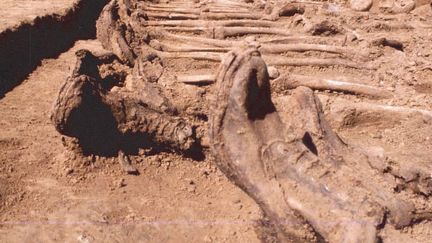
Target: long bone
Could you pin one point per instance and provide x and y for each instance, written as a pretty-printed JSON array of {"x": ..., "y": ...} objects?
[
  {"x": 229, "y": 43},
  {"x": 195, "y": 11},
  {"x": 172, "y": 15},
  {"x": 184, "y": 48},
  {"x": 202, "y": 23},
  {"x": 273, "y": 60},
  {"x": 204, "y": 15},
  {"x": 201, "y": 40},
  {"x": 265, "y": 48},
  {"x": 319, "y": 62},
  {"x": 343, "y": 109},
  {"x": 292, "y": 81},
  {"x": 223, "y": 32}
]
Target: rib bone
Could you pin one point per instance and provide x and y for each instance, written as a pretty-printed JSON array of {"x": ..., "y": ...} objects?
[{"x": 291, "y": 81}]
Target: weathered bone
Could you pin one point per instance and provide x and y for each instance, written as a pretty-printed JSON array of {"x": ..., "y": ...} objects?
[
  {"x": 291, "y": 81},
  {"x": 273, "y": 60},
  {"x": 319, "y": 62},
  {"x": 344, "y": 111},
  {"x": 184, "y": 48},
  {"x": 196, "y": 79},
  {"x": 164, "y": 15},
  {"x": 195, "y": 11},
  {"x": 84, "y": 109},
  {"x": 222, "y": 32},
  {"x": 111, "y": 32},
  {"x": 208, "y": 56},
  {"x": 260, "y": 153},
  {"x": 264, "y": 48},
  {"x": 202, "y": 23},
  {"x": 231, "y": 43},
  {"x": 206, "y": 41}
]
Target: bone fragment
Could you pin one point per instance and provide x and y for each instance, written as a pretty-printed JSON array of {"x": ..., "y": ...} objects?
[
  {"x": 196, "y": 79},
  {"x": 201, "y": 23},
  {"x": 292, "y": 81}
]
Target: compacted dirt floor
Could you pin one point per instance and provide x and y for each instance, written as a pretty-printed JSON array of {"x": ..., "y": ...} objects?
[
  {"x": 50, "y": 194},
  {"x": 14, "y": 12}
]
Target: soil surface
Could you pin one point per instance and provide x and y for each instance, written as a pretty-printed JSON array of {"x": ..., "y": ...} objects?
[
  {"x": 14, "y": 12},
  {"x": 48, "y": 193}
]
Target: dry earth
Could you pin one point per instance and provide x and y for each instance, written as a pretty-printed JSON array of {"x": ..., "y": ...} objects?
[{"x": 14, "y": 12}]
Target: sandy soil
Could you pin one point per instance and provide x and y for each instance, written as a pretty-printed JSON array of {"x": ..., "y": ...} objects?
[{"x": 14, "y": 12}]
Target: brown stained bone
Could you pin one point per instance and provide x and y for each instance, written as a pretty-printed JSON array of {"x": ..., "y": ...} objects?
[
  {"x": 291, "y": 81},
  {"x": 184, "y": 48},
  {"x": 87, "y": 111},
  {"x": 344, "y": 112},
  {"x": 174, "y": 16},
  {"x": 197, "y": 79},
  {"x": 265, "y": 48},
  {"x": 195, "y": 10},
  {"x": 111, "y": 31},
  {"x": 231, "y": 43},
  {"x": 319, "y": 62},
  {"x": 202, "y": 15},
  {"x": 223, "y": 23},
  {"x": 273, "y": 60},
  {"x": 200, "y": 40},
  {"x": 294, "y": 161},
  {"x": 223, "y": 32}
]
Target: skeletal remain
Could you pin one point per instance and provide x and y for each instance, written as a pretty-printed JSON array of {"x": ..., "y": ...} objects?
[
  {"x": 291, "y": 81},
  {"x": 294, "y": 161},
  {"x": 201, "y": 40},
  {"x": 195, "y": 11},
  {"x": 273, "y": 60},
  {"x": 111, "y": 32},
  {"x": 347, "y": 110},
  {"x": 208, "y": 56},
  {"x": 230, "y": 43},
  {"x": 196, "y": 79},
  {"x": 319, "y": 62},
  {"x": 172, "y": 15},
  {"x": 223, "y": 23},
  {"x": 203, "y": 15},
  {"x": 223, "y": 32},
  {"x": 264, "y": 48},
  {"x": 84, "y": 109},
  {"x": 184, "y": 48}
]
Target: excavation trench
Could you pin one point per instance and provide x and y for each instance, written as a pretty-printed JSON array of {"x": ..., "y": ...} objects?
[{"x": 24, "y": 46}]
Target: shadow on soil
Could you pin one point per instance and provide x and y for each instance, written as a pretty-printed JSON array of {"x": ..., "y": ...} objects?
[{"x": 23, "y": 48}]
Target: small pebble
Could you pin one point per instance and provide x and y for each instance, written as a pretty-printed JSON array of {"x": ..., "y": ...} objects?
[{"x": 361, "y": 5}]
